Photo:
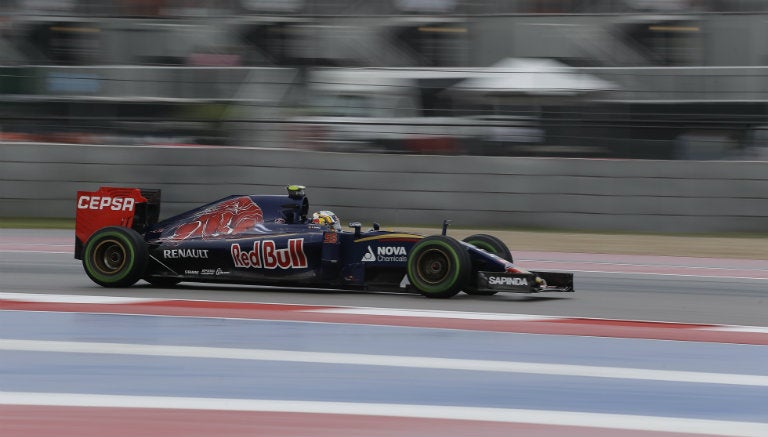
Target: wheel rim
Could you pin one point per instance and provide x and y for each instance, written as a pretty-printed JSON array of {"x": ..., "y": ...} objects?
[
  {"x": 109, "y": 257},
  {"x": 434, "y": 266}
]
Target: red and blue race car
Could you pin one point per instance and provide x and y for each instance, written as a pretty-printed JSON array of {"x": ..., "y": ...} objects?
[{"x": 274, "y": 240}]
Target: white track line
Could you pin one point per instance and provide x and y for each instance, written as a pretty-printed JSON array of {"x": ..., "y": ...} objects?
[
  {"x": 680, "y": 275},
  {"x": 370, "y": 311},
  {"x": 384, "y": 360}
]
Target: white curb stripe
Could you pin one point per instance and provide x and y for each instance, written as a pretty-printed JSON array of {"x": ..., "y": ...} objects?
[
  {"x": 394, "y": 312},
  {"x": 737, "y": 328},
  {"x": 67, "y": 298}
]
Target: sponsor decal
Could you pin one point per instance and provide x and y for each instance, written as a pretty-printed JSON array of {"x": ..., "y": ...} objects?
[
  {"x": 185, "y": 253},
  {"x": 208, "y": 272},
  {"x": 506, "y": 280},
  {"x": 391, "y": 254},
  {"x": 105, "y": 202},
  {"x": 369, "y": 256},
  {"x": 231, "y": 217},
  {"x": 191, "y": 272},
  {"x": 266, "y": 255},
  {"x": 220, "y": 272},
  {"x": 386, "y": 254}
]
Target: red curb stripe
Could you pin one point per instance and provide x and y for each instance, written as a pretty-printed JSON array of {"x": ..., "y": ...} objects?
[
  {"x": 246, "y": 306},
  {"x": 45, "y": 421},
  {"x": 309, "y": 313}
]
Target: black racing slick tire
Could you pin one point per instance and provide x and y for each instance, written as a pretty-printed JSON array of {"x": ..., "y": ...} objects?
[
  {"x": 439, "y": 267},
  {"x": 490, "y": 244},
  {"x": 115, "y": 257}
]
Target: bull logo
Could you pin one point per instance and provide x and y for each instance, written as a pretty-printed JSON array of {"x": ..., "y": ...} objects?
[{"x": 230, "y": 217}]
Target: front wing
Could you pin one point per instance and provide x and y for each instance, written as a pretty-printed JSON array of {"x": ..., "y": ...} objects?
[{"x": 525, "y": 282}]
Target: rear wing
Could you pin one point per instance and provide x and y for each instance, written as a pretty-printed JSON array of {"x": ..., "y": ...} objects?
[{"x": 133, "y": 208}]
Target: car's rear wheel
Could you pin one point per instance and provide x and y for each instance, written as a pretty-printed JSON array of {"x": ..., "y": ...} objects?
[
  {"x": 490, "y": 244},
  {"x": 439, "y": 266},
  {"x": 115, "y": 257}
]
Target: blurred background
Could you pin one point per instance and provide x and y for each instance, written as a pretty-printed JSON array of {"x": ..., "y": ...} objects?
[{"x": 659, "y": 79}]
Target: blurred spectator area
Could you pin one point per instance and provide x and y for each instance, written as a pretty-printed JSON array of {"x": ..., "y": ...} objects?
[
  {"x": 534, "y": 107},
  {"x": 517, "y": 107},
  {"x": 137, "y": 104},
  {"x": 405, "y": 33},
  {"x": 684, "y": 78},
  {"x": 213, "y": 8}
]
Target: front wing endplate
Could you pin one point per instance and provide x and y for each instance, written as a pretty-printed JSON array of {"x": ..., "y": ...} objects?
[{"x": 525, "y": 282}]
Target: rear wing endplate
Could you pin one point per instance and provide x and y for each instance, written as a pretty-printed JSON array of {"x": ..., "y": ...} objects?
[{"x": 133, "y": 208}]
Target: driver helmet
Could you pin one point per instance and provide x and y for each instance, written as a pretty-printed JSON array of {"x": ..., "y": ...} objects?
[{"x": 326, "y": 218}]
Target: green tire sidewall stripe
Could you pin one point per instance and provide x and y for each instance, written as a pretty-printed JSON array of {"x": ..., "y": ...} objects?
[
  {"x": 446, "y": 285},
  {"x": 110, "y": 278}
]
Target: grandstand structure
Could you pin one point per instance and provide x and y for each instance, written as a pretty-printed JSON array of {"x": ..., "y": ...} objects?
[{"x": 690, "y": 76}]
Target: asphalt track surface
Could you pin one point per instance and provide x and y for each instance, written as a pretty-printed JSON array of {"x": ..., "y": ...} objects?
[
  {"x": 657, "y": 288},
  {"x": 74, "y": 361}
]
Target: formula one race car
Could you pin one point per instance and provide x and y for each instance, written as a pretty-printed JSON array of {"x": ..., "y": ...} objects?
[{"x": 273, "y": 240}]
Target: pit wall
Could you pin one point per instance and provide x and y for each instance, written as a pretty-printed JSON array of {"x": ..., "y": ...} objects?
[{"x": 41, "y": 180}]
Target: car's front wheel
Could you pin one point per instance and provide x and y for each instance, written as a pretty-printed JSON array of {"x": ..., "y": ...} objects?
[
  {"x": 492, "y": 245},
  {"x": 439, "y": 266},
  {"x": 115, "y": 257}
]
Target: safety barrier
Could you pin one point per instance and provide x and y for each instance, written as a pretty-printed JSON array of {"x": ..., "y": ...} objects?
[{"x": 40, "y": 180}]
